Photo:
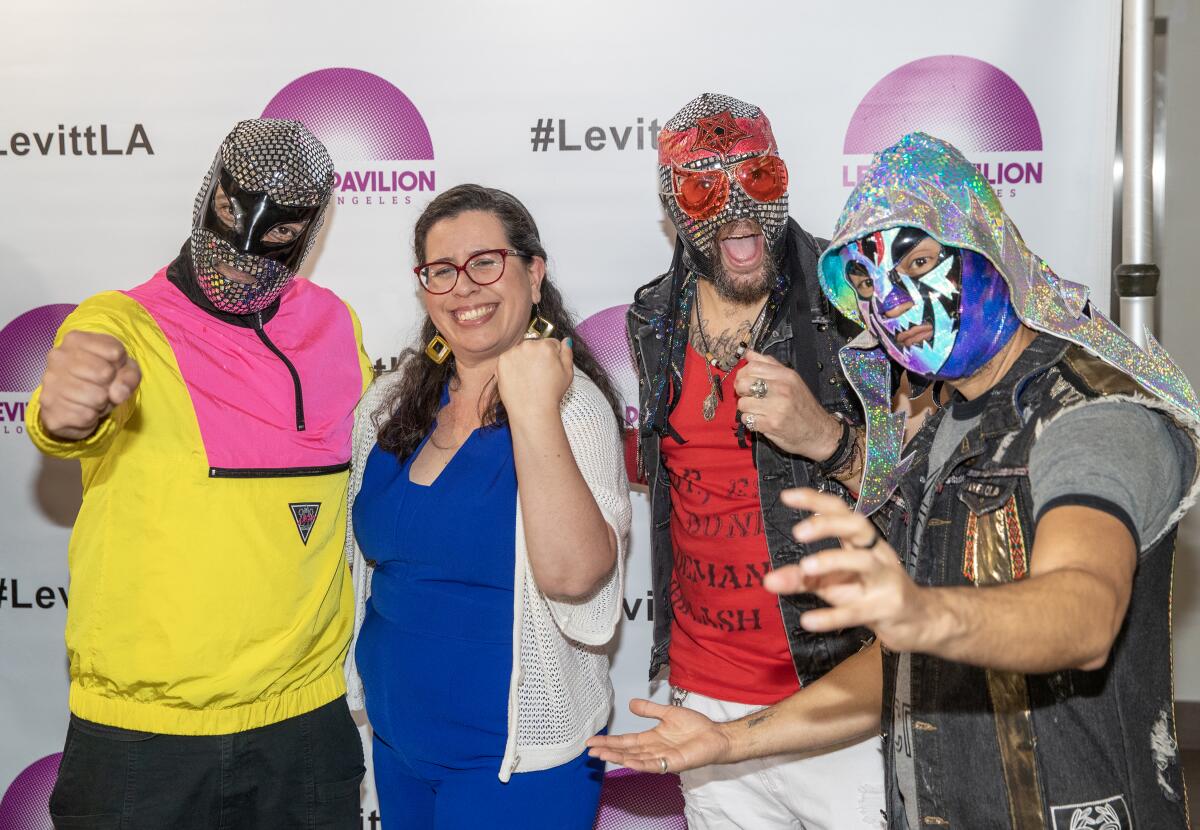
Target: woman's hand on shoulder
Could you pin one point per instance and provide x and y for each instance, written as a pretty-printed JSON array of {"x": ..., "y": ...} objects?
[{"x": 533, "y": 376}]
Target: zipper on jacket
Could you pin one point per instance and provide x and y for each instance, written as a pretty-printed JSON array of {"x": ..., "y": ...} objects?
[
  {"x": 276, "y": 472},
  {"x": 262, "y": 335}
]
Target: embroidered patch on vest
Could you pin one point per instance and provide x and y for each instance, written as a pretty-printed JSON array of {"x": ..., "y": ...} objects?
[
  {"x": 1016, "y": 540},
  {"x": 972, "y": 540},
  {"x": 1108, "y": 814},
  {"x": 1003, "y": 529},
  {"x": 305, "y": 516}
]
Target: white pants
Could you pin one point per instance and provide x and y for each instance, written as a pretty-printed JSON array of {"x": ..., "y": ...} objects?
[{"x": 838, "y": 790}]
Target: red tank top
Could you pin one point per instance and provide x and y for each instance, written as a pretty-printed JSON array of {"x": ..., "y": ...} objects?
[{"x": 728, "y": 639}]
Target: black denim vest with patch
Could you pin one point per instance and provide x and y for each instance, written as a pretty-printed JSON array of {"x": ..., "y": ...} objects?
[{"x": 1068, "y": 750}]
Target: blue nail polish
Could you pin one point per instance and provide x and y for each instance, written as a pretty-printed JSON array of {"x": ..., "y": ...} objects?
[{"x": 570, "y": 341}]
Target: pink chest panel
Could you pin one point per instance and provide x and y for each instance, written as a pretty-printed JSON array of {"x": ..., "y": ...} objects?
[{"x": 243, "y": 394}]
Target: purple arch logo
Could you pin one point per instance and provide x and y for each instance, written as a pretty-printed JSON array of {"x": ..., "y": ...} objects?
[
  {"x": 372, "y": 130},
  {"x": 604, "y": 333},
  {"x": 24, "y": 343},
  {"x": 966, "y": 101},
  {"x": 357, "y": 115},
  {"x": 26, "y": 803},
  {"x": 634, "y": 800}
]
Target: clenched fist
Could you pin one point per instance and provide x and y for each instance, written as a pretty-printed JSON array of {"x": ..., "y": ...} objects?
[
  {"x": 87, "y": 376},
  {"x": 533, "y": 376},
  {"x": 784, "y": 410}
]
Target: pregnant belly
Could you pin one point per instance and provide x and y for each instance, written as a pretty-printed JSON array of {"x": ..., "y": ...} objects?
[{"x": 435, "y": 698}]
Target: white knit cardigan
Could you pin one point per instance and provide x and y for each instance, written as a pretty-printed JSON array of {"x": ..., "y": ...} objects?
[{"x": 559, "y": 694}]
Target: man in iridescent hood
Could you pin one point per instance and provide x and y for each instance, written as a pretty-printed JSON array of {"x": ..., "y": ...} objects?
[
  {"x": 741, "y": 397},
  {"x": 1022, "y": 590},
  {"x": 1053, "y": 473},
  {"x": 211, "y": 408}
]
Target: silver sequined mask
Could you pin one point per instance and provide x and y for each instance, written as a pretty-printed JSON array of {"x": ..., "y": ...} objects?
[
  {"x": 271, "y": 175},
  {"x": 718, "y": 162}
]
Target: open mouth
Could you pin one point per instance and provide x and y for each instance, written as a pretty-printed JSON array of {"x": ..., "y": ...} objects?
[
  {"x": 234, "y": 274},
  {"x": 742, "y": 252},
  {"x": 475, "y": 315},
  {"x": 742, "y": 249}
]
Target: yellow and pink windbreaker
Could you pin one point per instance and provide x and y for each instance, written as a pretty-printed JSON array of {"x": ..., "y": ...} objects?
[{"x": 209, "y": 592}]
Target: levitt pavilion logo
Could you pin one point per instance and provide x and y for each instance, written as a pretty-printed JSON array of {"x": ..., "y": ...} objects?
[
  {"x": 371, "y": 129},
  {"x": 968, "y": 102},
  {"x": 23, "y": 346}
]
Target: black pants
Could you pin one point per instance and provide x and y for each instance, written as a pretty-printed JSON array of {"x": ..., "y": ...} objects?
[{"x": 303, "y": 772}]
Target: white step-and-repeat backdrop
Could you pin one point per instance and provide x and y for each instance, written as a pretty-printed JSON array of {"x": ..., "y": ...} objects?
[{"x": 112, "y": 112}]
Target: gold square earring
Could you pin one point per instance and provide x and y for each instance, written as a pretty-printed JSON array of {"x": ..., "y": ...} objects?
[
  {"x": 539, "y": 328},
  {"x": 438, "y": 349}
]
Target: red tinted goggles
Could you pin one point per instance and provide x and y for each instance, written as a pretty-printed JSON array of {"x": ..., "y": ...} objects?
[{"x": 702, "y": 194}]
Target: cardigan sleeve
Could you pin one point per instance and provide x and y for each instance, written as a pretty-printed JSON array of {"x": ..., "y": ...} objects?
[
  {"x": 365, "y": 430},
  {"x": 596, "y": 444}
]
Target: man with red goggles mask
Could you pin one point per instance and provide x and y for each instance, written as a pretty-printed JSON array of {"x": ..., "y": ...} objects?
[{"x": 742, "y": 396}]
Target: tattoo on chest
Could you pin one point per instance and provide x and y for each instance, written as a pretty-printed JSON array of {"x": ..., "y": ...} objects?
[{"x": 722, "y": 344}]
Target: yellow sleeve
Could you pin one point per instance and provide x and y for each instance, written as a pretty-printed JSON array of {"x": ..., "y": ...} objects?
[
  {"x": 105, "y": 313},
  {"x": 364, "y": 362}
]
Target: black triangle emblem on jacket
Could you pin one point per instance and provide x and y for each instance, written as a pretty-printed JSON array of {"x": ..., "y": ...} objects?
[{"x": 305, "y": 515}]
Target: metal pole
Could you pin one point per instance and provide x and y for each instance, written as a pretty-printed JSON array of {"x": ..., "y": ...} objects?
[{"x": 1137, "y": 275}]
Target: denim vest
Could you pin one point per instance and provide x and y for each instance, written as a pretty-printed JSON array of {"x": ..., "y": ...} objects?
[
  {"x": 813, "y": 654},
  {"x": 1069, "y": 749}
]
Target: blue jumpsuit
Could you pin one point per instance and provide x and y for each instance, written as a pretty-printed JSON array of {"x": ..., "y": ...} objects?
[{"x": 435, "y": 650}]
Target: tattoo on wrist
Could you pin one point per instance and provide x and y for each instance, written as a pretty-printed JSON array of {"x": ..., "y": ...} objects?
[{"x": 854, "y": 467}]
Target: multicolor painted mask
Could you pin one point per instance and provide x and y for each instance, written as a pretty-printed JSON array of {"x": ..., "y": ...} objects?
[
  {"x": 258, "y": 212},
  {"x": 922, "y": 185},
  {"x": 939, "y": 311},
  {"x": 718, "y": 162}
]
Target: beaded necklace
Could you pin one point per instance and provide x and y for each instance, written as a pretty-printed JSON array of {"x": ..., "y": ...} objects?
[{"x": 717, "y": 375}]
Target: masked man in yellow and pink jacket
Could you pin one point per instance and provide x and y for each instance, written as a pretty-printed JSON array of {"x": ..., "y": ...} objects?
[{"x": 211, "y": 410}]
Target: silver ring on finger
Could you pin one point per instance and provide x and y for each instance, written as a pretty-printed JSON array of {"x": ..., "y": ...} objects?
[
  {"x": 758, "y": 388},
  {"x": 748, "y": 419},
  {"x": 662, "y": 763},
  {"x": 875, "y": 540}
]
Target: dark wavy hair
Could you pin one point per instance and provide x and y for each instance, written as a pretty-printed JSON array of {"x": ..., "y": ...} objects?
[{"x": 415, "y": 401}]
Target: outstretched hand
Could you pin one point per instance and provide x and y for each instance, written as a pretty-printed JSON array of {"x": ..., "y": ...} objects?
[
  {"x": 684, "y": 739},
  {"x": 863, "y": 580}
]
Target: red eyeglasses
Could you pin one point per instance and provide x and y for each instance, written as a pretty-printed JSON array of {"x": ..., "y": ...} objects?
[
  {"x": 702, "y": 194},
  {"x": 482, "y": 268}
]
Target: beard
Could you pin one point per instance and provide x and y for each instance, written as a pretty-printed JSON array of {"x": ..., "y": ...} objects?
[{"x": 741, "y": 290}]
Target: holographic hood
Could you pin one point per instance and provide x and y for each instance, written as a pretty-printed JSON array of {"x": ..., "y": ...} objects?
[{"x": 922, "y": 182}]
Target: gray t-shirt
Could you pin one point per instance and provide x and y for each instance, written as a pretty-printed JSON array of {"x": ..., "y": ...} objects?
[{"x": 1115, "y": 456}]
